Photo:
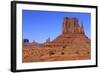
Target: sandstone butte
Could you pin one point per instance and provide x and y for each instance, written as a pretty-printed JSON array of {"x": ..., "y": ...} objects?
[{"x": 71, "y": 44}]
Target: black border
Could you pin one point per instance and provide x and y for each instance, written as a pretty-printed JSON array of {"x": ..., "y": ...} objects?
[{"x": 13, "y": 35}]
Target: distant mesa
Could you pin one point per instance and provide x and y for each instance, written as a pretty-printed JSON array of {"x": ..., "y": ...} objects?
[
  {"x": 25, "y": 40},
  {"x": 48, "y": 40}
]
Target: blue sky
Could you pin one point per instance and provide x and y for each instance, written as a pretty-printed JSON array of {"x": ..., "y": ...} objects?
[{"x": 40, "y": 25}]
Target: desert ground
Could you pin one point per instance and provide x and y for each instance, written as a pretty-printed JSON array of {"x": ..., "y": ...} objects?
[{"x": 40, "y": 54}]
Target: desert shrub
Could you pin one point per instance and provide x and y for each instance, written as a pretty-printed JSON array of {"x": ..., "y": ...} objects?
[
  {"x": 88, "y": 52},
  {"x": 62, "y": 50},
  {"x": 42, "y": 59},
  {"x": 50, "y": 46},
  {"x": 34, "y": 53},
  {"x": 62, "y": 53},
  {"x": 77, "y": 52},
  {"x": 51, "y": 53},
  {"x": 41, "y": 53},
  {"x": 64, "y": 46}
]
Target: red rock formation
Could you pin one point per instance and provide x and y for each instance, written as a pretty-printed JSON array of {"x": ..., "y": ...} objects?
[
  {"x": 70, "y": 25},
  {"x": 72, "y": 34}
]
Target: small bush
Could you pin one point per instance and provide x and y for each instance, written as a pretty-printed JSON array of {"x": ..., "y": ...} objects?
[
  {"x": 88, "y": 52},
  {"x": 62, "y": 53},
  {"x": 51, "y": 53},
  {"x": 77, "y": 52},
  {"x": 64, "y": 47}
]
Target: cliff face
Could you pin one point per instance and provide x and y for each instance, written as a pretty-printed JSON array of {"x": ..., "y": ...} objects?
[{"x": 70, "y": 25}]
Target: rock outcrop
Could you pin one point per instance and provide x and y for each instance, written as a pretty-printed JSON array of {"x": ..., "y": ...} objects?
[{"x": 72, "y": 35}]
